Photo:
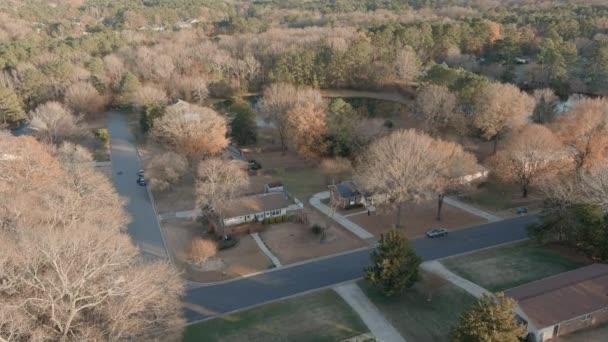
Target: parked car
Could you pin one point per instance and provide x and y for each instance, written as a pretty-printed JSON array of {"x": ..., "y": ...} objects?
[
  {"x": 141, "y": 181},
  {"x": 521, "y": 211},
  {"x": 437, "y": 232},
  {"x": 254, "y": 165},
  {"x": 140, "y": 173}
]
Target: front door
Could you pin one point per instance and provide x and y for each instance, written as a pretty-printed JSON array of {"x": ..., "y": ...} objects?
[{"x": 555, "y": 330}]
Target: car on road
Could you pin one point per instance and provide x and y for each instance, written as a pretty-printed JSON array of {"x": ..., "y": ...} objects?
[
  {"x": 437, "y": 232},
  {"x": 141, "y": 181},
  {"x": 140, "y": 173}
]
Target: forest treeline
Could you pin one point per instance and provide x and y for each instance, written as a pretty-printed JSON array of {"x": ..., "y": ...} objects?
[{"x": 189, "y": 48}]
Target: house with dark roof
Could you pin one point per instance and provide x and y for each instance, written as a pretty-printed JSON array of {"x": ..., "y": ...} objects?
[
  {"x": 563, "y": 303},
  {"x": 346, "y": 195}
]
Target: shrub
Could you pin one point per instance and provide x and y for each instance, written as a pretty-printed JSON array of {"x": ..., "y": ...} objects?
[
  {"x": 227, "y": 242},
  {"x": 201, "y": 250},
  {"x": 103, "y": 135},
  {"x": 317, "y": 229}
]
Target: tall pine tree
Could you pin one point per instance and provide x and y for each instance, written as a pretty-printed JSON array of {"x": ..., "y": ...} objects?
[
  {"x": 394, "y": 264},
  {"x": 489, "y": 320},
  {"x": 11, "y": 110}
]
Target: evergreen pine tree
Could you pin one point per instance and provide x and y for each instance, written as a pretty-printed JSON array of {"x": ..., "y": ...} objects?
[
  {"x": 11, "y": 109},
  {"x": 489, "y": 320},
  {"x": 127, "y": 88},
  {"x": 394, "y": 264},
  {"x": 243, "y": 126}
]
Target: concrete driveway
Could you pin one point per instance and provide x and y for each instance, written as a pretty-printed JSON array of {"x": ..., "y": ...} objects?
[{"x": 144, "y": 227}]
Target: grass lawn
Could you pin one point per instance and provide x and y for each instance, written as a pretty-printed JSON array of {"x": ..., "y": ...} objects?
[
  {"x": 426, "y": 312},
  {"x": 302, "y": 183},
  {"x": 497, "y": 196},
  {"x": 320, "y": 316},
  {"x": 502, "y": 268}
]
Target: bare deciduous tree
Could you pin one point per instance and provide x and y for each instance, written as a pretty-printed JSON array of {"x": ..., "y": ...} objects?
[
  {"x": 306, "y": 130},
  {"x": 53, "y": 122},
  {"x": 219, "y": 181},
  {"x": 530, "y": 154},
  {"x": 280, "y": 98},
  {"x": 436, "y": 107},
  {"x": 83, "y": 98},
  {"x": 584, "y": 131},
  {"x": 456, "y": 169},
  {"x": 594, "y": 186},
  {"x": 80, "y": 278},
  {"x": 149, "y": 95},
  {"x": 191, "y": 130},
  {"x": 407, "y": 65},
  {"x": 166, "y": 169},
  {"x": 500, "y": 107},
  {"x": 201, "y": 250},
  {"x": 405, "y": 166}
]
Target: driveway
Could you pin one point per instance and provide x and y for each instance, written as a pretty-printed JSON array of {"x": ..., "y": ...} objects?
[
  {"x": 207, "y": 301},
  {"x": 144, "y": 228}
]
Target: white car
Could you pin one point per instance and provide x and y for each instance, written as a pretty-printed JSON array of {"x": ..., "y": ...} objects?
[{"x": 437, "y": 232}]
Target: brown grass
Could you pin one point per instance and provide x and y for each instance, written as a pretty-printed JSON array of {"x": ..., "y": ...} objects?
[
  {"x": 416, "y": 219},
  {"x": 292, "y": 242}
]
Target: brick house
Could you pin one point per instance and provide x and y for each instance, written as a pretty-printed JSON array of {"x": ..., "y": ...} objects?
[
  {"x": 346, "y": 195},
  {"x": 563, "y": 303}
]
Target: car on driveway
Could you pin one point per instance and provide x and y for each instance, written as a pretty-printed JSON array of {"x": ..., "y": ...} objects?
[{"x": 437, "y": 232}]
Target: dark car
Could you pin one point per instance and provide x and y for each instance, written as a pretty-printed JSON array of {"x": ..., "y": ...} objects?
[
  {"x": 437, "y": 232},
  {"x": 141, "y": 181}
]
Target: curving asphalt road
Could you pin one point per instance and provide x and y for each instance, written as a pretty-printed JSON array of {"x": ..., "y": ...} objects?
[
  {"x": 207, "y": 301},
  {"x": 144, "y": 227}
]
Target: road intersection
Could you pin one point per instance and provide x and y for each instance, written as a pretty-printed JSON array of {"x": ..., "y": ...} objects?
[{"x": 203, "y": 302}]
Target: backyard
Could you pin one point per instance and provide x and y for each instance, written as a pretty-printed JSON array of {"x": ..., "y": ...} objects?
[
  {"x": 501, "y": 268},
  {"x": 320, "y": 316},
  {"x": 425, "y": 312}
]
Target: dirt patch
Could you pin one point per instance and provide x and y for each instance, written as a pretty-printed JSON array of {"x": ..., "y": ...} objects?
[
  {"x": 416, "y": 219},
  {"x": 293, "y": 242},
  {"x": 243, "y": 259}
]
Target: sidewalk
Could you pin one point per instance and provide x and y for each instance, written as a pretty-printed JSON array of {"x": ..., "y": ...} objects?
[
  {"x": 437, "y": 268},
  {"x": 315, "y": 201},
  {"x": 472, "y": 210},
  {"x": 377, "y": 324}
]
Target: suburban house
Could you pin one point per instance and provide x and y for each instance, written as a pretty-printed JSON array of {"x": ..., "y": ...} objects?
[
  {"x": 256, "y": 208},
  {"x": 274, "y": 187},
  {"x": 563, "y": 303},
  {"x": 346, "y": 195}
]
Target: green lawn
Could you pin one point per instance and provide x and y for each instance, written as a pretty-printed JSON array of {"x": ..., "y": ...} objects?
[
  {"x": 321, "y": 316},
  {"x": 305, "y": 182},
  {"x": 502, "y": 268},
  {"x": 426, "y": 312},
  {"x": 497, "y": 196}
]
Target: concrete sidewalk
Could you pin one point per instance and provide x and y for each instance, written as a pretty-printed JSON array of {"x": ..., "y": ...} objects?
[
  {"x": 472, "y": 210},
  {"x": 437, "y": 268},
  {"x": 315, "y": 201},
  {"x": 369, "y": 313}
]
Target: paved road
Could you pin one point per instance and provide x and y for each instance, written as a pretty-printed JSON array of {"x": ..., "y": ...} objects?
[
  {"x": 212, "y": 300},
  {"x": 144, "y": 228}
]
